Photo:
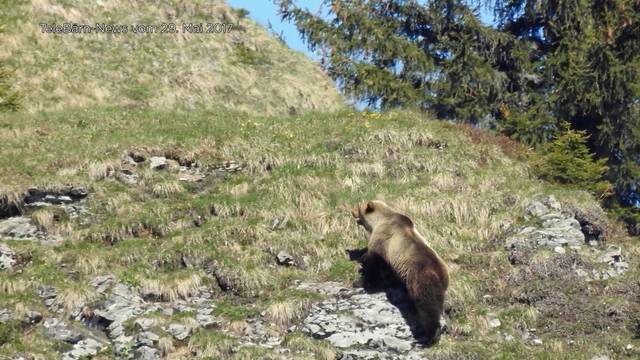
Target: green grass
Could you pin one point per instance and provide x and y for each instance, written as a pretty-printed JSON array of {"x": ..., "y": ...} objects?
[
  {"x": 310, "y": 169},
  {"x": 233, "y": 69}
]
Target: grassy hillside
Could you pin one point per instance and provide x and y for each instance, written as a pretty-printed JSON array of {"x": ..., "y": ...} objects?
[
  {"x": 244, "y": 69},
  {"x": 288, "y": 186}
]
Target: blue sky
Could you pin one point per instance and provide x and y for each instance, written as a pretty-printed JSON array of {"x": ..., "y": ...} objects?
[{"x": 264, "y": 11}]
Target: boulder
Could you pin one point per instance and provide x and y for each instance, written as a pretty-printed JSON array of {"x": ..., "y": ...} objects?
[
  {"x": 58, "y": 329},
  {"x": 285, "y": 259},
  {"x": 157, "y": 162},
  {"x": 360, "y": 324},
  {"x": 18, "y": 228},
  {"x": 179, "y": 331},
  {"x": 7, "y": 257}
]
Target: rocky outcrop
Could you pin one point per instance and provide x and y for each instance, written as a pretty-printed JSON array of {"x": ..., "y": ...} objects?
[
  {"x": 362, "y": 325},
  {"x": 555, "y": 229},
  {"x": 568, "y": 229},
  {"x": 19, "y": 228},
  {"x": 7, "y": 257}
]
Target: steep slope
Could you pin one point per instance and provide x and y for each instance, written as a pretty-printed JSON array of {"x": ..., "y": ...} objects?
[
  {"x": 211, "y": 233},
  {"x": 237, "y": 65}
]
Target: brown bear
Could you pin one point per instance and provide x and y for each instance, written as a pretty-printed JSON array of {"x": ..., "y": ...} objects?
[{"x": 394, "y": 243}]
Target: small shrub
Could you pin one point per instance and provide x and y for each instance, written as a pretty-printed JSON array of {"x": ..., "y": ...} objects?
[{"x": 567, "y": 160}]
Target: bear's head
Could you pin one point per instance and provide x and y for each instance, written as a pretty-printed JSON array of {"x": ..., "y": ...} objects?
[{"x": 369, "y": 214}]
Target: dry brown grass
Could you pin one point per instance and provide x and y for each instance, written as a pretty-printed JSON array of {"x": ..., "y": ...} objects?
[
  {"x": 100, "y": 170},
  {"x": 181, "y": 78},
  {"x": 165, "y": 345},
  {"x": 14, "y": 286},
  {"x": 171, "y": 289},
  {"x": 167, "y": 189},
  {"x": 43, "y": 219},
  {"x": 72, "y": 298},
  {"x": 283, "y": 313}
]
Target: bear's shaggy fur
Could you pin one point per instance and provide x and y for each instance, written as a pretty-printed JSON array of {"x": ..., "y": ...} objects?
[{"x": 395, "y": 243}]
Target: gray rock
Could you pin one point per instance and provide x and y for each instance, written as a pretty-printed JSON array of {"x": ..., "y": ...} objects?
[
  {"x": 102, "y": 283},
  {"x": 147, "y": 338},
  {"x": 32, "y": 317},
  {"x": 158, "y": 162},
  {"x": 613, "y": 254},
  {"x": 122, "y": 305},
  {"x": 147, "y": 353},
  {"x": 600, "y": 357},
  {"x": 493, "y": 321},
  {"x": 536, "y": 342},
  {"x": 178, "y": 331},
  {"x": 58, "y": 329},
  {"x": 7, "y": 257},
  {"x": 285, "y": 259},
  {"x": 536, "y": 208},
  {"x": 208, "y": 321},
  {"x": 229, "y": 166},
  {"x": 5, "y": 316},
  {"x": 144, "y": 323},
  {"x": 552, "y": 203},
  {"x": 559, "y": 250},
  {"x": 557, "y": 230},
  {"x": 48, "y": 294},
  {"x": 191, "y": 177},
  {"x": 362, "y": 325},
  {"x": 621, "y": 267},
  {"x": 77, "y": 192},
  {"x": 84, "y": 349},
  {"x": 128, "y": 177},
  {"x": 182, "y": 308},
  {"x": 18, "y": 228}
]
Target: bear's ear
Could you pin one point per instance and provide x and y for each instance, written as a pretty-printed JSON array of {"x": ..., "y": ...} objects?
[{"x": 370, "y": 207}]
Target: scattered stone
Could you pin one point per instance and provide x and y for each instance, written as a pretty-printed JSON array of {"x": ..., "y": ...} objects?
[
  {"x": 559, "y": 250},
  {"x": 147, "y": 353},
  {"x": 136, "y": 157},
  {"x": 147, "y": 338},
  {"x": 144, "y": 323},
  {"x": 18, "y": 228},
  {"x": 127, "y": 176},
  {"x": 600, "y": 357},
  {"x": 552, "y": 203},
  {"x": 178, "y": 331},
  {"x": 229, "y": 166},
  {"x": 5, "y": 316},
  {"x": 612, "y": 255},
  {"x": 208, "y": 321},
  {"x": 537, "y": 209},
  {"x": 122, "y": 305},
  {"x": 102, "y": 283},
  {"x": 48, "y": 294},
  {"x": 158, "y": 162},
  {"x": 536, "y": 342},
  {"x": 493, "y": 321},
  {"x": 84, "y": 349},
  {"x": 7, "y": 257},
  {"x": 191, "y": 177},
  {"x": 32, "y": 317},
  {"x": 58, "y": 329},
  {"x": 285, "y": 259}
]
